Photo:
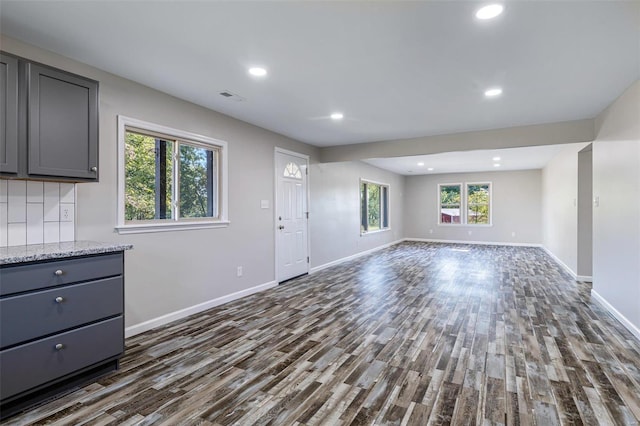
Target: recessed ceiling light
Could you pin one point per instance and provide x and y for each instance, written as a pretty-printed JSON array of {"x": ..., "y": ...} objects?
[
  {"x": 496, "y": 158},
  {"x": 258, "y": 72},
  {"x": 496, "y": 165},
  {"x": 493, "y": 92},
  {"x": 489, "y": 11},
  {"x": 421, "y": 164},
  {"x": 430, "y": 169},
  {"x": 337, "y": 116}
]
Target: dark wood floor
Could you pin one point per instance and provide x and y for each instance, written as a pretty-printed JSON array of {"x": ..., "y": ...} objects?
[{"x": 415, "y": 334}]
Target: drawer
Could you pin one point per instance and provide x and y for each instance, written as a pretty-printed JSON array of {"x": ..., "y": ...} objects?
[
  {"x": 16, "y": 279},
  {"x": 36, "y": 363},
  {"x": 29, "y": 316}
]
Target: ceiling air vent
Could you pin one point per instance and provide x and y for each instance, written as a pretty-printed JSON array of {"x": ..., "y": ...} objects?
[{"x": 230, "y": 95}]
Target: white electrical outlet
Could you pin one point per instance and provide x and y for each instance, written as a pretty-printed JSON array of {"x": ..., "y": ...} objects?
[
  {"x": 431, "y": 231},
  {"x": 239, "y": 271},
  {"x": 513, "y": 234},
  {"x": 66, "y": 212},
  {"x": 470, "y": 232}
]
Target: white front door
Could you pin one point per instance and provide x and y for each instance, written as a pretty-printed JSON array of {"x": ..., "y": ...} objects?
[{"x": 291, "y": 215}]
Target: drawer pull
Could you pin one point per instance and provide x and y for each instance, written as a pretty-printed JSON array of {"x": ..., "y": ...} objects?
[
  {"x": 59, "y": 347},
  {"x": 58, "y": 272},
  {"x": 59, "y": 299}
]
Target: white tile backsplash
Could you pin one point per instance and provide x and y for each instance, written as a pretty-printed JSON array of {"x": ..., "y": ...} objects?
[
  {"x": 17, "y": 200},
  {"x": 3, "y": 224},
  {"x": 67, "y": 231},
  {"x": 33, "y": 212},
  {"x": 52, "y": 232},
  {"x": 35, "y": 223},
  {"x": 51, "y": 202},
  {"x": 3, "y": 191},
  {"x": 67, "y": 192},
  {"x": 17, "y": 234},
  {"x": 34, "y": 192}
]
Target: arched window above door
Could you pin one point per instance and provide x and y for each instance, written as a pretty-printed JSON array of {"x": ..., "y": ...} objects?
[{"x": 291, "y": 170}]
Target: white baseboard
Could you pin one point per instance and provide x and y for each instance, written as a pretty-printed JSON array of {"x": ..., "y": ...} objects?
[
  {"x": 585, "y": 278},
  {"x": 183, "y": 313},
  {"x": 561, "y": 263},
  {"x": 485, "y": 243},
  {"x": 613, "y": 311},
  {"x": 353, "y": 256}
]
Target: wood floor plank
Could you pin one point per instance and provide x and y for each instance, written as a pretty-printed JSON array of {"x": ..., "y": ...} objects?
[{"x": 414, "y": 334}]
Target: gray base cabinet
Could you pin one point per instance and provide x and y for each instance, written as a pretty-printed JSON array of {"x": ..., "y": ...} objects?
[
  {"x": 61, "y": 323},
  {"x": 50, "y": 122}
]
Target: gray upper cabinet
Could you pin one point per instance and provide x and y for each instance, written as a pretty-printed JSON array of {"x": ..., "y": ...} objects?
[
  {"x": 55, "y": 113},
  {"x": 63, "y": 124},
  {"x": 8, "y": 114}
]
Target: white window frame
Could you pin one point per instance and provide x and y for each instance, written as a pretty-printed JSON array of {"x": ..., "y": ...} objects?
[
  {"x": 176, "y": 223},
  {"x": 462, "y": 198},
  {"x": 388, "y": 207},
  {"x": 466, "y": 203},
  {"x": 464, "y": 208}
]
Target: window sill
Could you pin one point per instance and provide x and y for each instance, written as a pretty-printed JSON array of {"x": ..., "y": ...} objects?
[
  {"x": 167, "y": 227},
  {"x": 362, "y": 234}
]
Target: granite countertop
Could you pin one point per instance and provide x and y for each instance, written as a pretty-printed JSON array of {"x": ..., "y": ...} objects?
[{"x": 38, "y": 252}]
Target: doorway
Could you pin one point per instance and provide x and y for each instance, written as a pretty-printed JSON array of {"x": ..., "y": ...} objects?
[
  {"x": 585, "y": 214},
  {"x": 292, "y": 215}
]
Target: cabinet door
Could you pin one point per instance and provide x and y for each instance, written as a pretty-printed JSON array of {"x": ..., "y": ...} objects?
[
  {"x": 63, "y": 124},
  {"x": 8, "y": 114}
]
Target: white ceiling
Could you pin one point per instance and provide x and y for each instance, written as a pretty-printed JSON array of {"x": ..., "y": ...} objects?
[
  {"x": 395, "y": 69},
  {"x": 528, "y": 158}
]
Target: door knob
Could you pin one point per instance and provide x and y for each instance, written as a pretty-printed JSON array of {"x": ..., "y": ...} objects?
[{"x": 280, "y": 227}]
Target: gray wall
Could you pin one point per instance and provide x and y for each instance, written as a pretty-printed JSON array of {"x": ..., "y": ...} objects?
[
  {"x": 516, "y": 208},
  {"x": 170, "y": 271},
  {"x": 616, "y": 221},
  {"x": 560, "y": 206},
  {"x": 335, "y": 210}
]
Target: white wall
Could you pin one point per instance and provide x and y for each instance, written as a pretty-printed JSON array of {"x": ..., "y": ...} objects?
[
  {"x": 516, "y": 208},
  {"x": 616, "y": 221},
  {"x": 335, "y": 210},
  {"x": 560, "y": 206}
]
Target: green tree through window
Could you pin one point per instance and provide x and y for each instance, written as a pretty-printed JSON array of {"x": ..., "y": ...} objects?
[
  {"x": 374, "y": 206},
  {"x": 478, "y": 203},
  {"x": 471, "y": 207},
  {"x": 153, "y": 164}
]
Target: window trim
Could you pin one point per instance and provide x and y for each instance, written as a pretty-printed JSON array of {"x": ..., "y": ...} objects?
[
  {"x": 462, "y": 197},
  {"x": 464, "y": 189},
  {"x": 127, "y": 123},
  {"x": 388, "y": 208},
  {"x": 466, "y": 202}
]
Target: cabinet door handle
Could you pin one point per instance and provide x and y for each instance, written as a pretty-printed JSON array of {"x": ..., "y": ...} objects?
[
  {"x": 59, "y": 299},
  {"x": 94, "y": 169},
  {"x": 59, "y": 347},
  {"x": 280, "y": 227},
  {"x": 58, "y": 272}
]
